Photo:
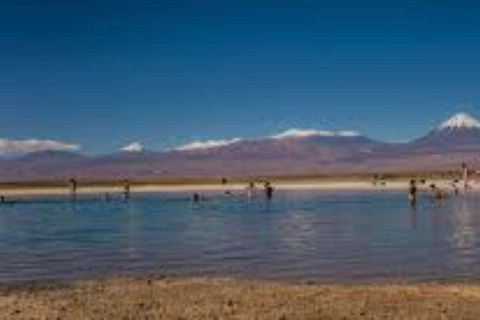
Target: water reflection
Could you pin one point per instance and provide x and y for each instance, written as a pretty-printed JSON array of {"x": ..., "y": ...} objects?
[
  {"x": 463, "y": 233},
  {"x": 301, "y": 235},
  {"x": 413, "y": 217}
]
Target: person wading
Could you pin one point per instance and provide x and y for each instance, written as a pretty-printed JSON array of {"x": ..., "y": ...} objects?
[
  {"x": 465, "y": 175},
  {"x": 126, "y": 190},
  {"x": 73, "y": 188},
  {"x": 412, "y": 194},
  {"x": 268, "y": 190}
]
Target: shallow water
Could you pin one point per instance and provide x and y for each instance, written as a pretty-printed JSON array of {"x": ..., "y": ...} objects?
[{"x": 303, "y": 235}]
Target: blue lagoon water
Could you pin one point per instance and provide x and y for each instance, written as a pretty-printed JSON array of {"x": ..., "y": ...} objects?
[{"x": 303, "y": 235}]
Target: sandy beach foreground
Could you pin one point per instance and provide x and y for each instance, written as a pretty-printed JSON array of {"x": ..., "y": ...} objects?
[{"x": 204, "y": 298}]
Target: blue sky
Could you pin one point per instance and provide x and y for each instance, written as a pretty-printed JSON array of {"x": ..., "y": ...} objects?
[{"x": 105, "y": 73}]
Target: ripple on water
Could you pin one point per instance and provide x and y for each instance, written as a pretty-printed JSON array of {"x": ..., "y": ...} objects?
[{"x": 298, "y": 235}]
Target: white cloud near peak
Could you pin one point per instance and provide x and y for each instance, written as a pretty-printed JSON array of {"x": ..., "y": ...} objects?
[
  {"x": 301, "y": 133},
  {"x": 135, "y": 147},
  {"x": 11, "y": 146}
]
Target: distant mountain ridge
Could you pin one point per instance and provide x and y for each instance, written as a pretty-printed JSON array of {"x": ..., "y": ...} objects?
[{"x": 292, "y": 152}]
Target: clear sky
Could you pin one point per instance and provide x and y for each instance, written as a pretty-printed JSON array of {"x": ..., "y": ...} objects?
[{"x": 105, "y": 73}]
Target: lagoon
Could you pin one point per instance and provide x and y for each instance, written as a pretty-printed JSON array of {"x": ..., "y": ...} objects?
[{"x": 299, "y": 235}]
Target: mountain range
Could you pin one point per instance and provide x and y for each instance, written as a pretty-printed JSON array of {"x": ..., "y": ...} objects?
[{"x": 294, "y": 152}]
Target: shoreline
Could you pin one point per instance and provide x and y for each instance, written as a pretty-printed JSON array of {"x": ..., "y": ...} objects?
[
  {"x": 235, "y": 187},
  {"x": 160, "y": 297}
]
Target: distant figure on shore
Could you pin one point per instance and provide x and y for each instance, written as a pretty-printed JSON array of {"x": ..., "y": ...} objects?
[
  {"x": 224, "y": 181},
  {"x": 126, "y": 190},
  {"x": 73, "y": 188},
  {"x": 412, "y": 194},
  {"x": 2, "y": 199},
  {"x": 268, "y": 190}
]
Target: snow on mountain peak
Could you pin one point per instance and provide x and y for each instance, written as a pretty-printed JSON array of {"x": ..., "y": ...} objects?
[
  {"x": 460, "y": 121},
  {"x": 199, "y": 145},
  {"x": 302, "y": 133}
]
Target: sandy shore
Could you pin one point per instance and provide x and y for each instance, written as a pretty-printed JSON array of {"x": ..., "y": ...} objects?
[
  {"x": 201, "y": 298},
  {"x": 320, "y": 186}
]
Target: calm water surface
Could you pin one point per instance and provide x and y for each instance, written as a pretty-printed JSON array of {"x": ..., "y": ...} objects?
[{"x": 298, "y": 235}]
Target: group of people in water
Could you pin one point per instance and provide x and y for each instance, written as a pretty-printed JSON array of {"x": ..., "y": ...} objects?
[
  {"x": 251, "y": 191},
  {"x": 435, "y": 191}
]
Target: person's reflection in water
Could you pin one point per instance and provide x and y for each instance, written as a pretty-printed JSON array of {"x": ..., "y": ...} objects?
[
  {"x": 73, "y": 206},
  {"x": 133, "y": 234},
  {"x": 413, "y": 217},
  {"x": 436, "y": 213}
]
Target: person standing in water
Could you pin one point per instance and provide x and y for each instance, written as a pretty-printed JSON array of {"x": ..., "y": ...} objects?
[
  {"x": 196, "y": 197},
  {"x": 126, "y": 190},
  {"x": 465, "y": 175},
  {"x": 268, "y": 190},
  {"x": 412, "y": 194},
  {"x": 437, "y": 193},
  {"x": 73, "y": 188}
]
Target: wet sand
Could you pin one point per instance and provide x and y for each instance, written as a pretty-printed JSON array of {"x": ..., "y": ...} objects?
[{"x": 207, "y": 298}]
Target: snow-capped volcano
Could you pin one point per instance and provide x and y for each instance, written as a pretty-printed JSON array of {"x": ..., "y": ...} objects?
[
  {"x": 458, "y": 133},
  {"x": 460, "y": 121}
]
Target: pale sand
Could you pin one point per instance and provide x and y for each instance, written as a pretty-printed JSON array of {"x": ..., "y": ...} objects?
[
  {"x": 202, "y": 298},
  {"x": 238, "y": 188}
]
